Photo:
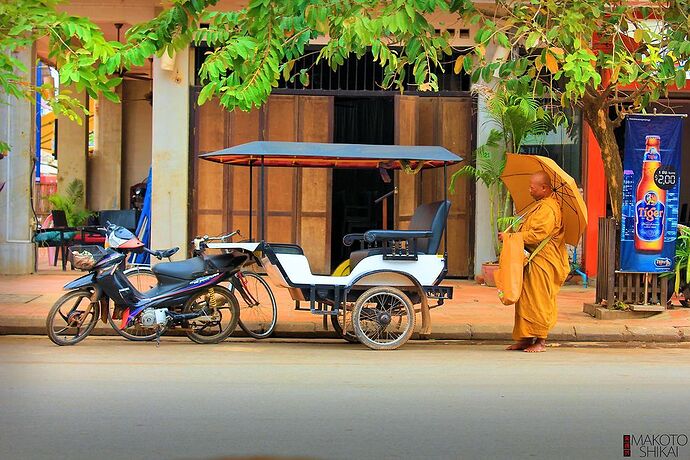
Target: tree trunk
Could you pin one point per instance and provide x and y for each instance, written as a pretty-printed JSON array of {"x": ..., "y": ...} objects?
[{"x": 597, "y": 116}]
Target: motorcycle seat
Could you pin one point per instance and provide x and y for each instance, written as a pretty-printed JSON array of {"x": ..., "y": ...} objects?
[{"x": 195, "y": 267}]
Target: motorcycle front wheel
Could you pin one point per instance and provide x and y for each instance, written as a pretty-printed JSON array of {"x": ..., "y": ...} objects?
[{"x": 72, "y": 317}]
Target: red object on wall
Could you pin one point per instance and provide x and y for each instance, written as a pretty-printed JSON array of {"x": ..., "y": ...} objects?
[{"x": 595, "y": 197}]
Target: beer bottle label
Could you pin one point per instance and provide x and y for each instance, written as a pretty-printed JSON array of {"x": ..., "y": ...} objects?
[
  {"x": 649, "y": 217},
  {"x": 652, "y": 155}
]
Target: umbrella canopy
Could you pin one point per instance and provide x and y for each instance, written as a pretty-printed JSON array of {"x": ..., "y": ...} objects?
[
  {"x": 516, "y": 176},
  {"x": 322, "y": 155}
]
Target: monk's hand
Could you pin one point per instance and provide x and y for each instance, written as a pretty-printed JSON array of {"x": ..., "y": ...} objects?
[{"x": 500, "y": 236}]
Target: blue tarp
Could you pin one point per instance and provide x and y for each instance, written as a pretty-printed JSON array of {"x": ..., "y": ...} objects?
[{"x": 144, "y": 226}]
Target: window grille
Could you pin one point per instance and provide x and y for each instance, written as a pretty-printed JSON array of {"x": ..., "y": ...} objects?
[{"x": 356, "y": 75}]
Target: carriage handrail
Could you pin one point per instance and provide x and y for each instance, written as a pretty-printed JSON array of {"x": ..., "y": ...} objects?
[{"x": 379, "y": 235}]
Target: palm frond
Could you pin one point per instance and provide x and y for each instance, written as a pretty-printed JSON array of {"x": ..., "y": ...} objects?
[{"x": 71, "y": 203}]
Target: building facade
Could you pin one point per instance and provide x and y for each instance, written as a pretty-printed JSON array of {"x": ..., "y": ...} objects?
[{"x": 159, "y": 125}]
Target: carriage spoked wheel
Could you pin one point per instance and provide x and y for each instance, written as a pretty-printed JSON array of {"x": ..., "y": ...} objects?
[{"x": 383, "y": 318}]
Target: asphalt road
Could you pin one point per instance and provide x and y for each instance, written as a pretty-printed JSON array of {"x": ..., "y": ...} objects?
[{"x": 109, "y": 399}]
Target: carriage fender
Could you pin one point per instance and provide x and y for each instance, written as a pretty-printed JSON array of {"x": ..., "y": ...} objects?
[{"x": 378, "y": 278}]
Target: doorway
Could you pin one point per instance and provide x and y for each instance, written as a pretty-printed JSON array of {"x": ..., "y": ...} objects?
[{"x": 360, "y": 120}]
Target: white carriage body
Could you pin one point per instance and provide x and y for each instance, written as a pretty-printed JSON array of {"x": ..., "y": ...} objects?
[{"x": 371, "y": 271}]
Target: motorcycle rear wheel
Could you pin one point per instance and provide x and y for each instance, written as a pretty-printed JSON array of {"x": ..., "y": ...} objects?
[{"x": 222, "y": 314}]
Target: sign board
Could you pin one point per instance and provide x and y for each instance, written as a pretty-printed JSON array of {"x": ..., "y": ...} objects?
[{"x": 651, "y": 183}]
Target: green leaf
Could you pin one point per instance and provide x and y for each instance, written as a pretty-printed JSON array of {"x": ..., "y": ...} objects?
[
  {"x": 114, "y": 82},
  {"x": 467, "y": 63},
  {"x": 206, "y": 93},
  {"x": 476, "y": 75},
  {"x": 304, "y": 79},
  {"x": 111, "y": 96},
  {"x": 503, "y": 40},
  {"x": 532, "y": 39},
  {"x": 680, "y": 78}
]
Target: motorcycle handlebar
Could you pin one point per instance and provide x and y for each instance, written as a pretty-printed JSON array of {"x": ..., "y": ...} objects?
[{"x": 221, "y": 237}]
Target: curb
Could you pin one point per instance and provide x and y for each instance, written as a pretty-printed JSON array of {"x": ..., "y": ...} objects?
[{"x": 476, "y": 332}]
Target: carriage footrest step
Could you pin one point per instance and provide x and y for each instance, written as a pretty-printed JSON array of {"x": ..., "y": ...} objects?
[
  {"x": 439, "y": 292},
  {"x": 318, "y": 308}
]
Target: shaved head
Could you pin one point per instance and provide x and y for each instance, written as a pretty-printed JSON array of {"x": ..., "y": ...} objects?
[
  {"x": 540, "y": 185},
  {"x": 543, "y": 177}
]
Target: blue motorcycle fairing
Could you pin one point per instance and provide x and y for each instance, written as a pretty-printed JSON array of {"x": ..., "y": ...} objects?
[
  {"x": 113, "y": 258},
  {"x": 82, "y": 281}
]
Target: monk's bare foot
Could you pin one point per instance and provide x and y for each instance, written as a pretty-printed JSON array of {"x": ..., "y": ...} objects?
[
  {"x": 537, "y": 347},
  {"x": 520, "y": 345}
]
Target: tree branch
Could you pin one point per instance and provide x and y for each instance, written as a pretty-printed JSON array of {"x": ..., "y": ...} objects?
[{"x": 630, "y": 97}]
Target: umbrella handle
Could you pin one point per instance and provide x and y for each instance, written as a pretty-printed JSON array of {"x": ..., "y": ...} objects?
[{"x": 521, "y": 217}]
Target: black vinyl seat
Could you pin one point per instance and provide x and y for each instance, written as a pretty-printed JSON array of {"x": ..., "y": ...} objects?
[
  {"x": 287, "y": 248},
  {"x": 427, "y": 217},
  {"x": 195, "y": 267}
]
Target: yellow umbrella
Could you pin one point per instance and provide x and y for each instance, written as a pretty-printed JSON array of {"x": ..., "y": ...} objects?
[{"x": 516, "y": 177}]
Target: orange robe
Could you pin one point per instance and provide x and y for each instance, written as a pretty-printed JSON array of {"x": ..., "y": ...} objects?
[{"x": 535, "y": 311}]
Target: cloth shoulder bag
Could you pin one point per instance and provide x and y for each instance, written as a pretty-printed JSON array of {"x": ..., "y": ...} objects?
[{"x": 511, "y": 267}]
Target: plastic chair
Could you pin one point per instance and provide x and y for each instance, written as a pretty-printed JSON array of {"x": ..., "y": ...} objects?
[{"x": 59, "y": 236}]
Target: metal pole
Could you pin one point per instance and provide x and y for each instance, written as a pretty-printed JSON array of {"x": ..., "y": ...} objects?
[
  {"x": 445, "y": 198},
  {"x": 39, "y": 76},
  {"x": 251, "y": 201},
  {"x": 682, "y": 115},
  {"x": 262, "y": 201}
]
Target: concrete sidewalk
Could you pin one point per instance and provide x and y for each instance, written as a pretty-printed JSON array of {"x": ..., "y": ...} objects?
[{"x": 473, "y": 314}]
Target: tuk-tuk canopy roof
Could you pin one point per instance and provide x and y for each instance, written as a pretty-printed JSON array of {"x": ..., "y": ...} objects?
[{"x": 321, "y": 155}]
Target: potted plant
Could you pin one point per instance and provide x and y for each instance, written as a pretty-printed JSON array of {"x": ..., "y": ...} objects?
[
  {"x": 516, "y": 115},
  {"x": 681, "y": 274},
  {"x": 71, "y": 204}
]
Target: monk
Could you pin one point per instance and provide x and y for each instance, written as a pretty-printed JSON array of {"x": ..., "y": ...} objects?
[{"x": 535, "y": 311}]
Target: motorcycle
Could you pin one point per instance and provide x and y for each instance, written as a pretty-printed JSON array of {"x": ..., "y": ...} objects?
[{"x": 187, "y": 295}]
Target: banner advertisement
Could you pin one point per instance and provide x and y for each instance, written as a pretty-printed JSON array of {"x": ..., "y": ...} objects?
[{"x": 651, "y": 183}]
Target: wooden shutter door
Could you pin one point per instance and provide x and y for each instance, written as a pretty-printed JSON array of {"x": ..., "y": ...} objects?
[
  {"x": 210, "y": 184},
  {"x": 406, "y": 133},
  {"x": 242, "y": 127},
  {"x": 447, "y": 121},
  {"x": 315, "y": 124},
  {"x": 281, "y": 183}
]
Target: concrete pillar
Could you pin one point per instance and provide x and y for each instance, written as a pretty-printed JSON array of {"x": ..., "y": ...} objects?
[
  {"x": 170, "y": 154},
  {"x": 483, "y": 246},
  {"x": 105, "y": 164},
  {"x": 16, "y": 176},
  {"x": 72, "y": 147},
  {"x": 136, "y": 134}
]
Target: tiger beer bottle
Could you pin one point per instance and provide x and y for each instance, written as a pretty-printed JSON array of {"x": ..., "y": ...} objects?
[{"x": 650, "y": 207}]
